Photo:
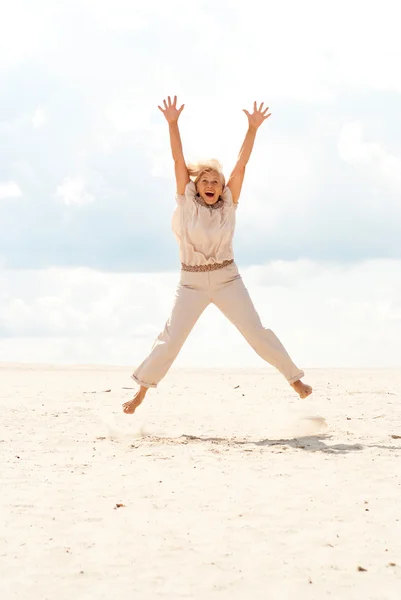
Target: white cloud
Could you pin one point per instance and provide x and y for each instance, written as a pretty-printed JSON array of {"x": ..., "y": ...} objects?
[
  {"x": 129, "y": 110},
  {"x": 128, "y": 15},
  {"x": 39, "y": 118},
  {"x": 119, "y": 15},
  {"x": 25, "y": 28},
  {"x": 10, "y": 189},
  {"x": 318, "y": 50},
  {"x": 375, "y": 159},
  {"x": 72, "y": 192}
]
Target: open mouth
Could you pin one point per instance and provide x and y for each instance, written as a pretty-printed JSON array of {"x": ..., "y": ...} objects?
[{"x": 210, "y": 194}]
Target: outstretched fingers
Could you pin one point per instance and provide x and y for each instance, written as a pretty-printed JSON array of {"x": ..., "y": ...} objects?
[
  {"x": 175, "y": 106},
  {"x": 258, "y": 111},
  {"x": 263, "y": 111},
  {"x": 266, "y": 114},
  {"x": 169, "y": 104},
  {"x": 172, "y": 104},
  {"x": 170, "y": 110}
]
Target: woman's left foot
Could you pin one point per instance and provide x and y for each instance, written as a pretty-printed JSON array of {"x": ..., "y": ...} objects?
[
  {"x": 130, "y": 407},
  {"x": 302, "y": 389}
]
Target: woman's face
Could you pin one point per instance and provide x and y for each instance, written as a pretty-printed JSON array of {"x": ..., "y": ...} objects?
[{"x": 209, "y": 187}]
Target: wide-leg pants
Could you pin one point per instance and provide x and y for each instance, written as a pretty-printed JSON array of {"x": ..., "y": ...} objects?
[{"x": 196, "y": 290}]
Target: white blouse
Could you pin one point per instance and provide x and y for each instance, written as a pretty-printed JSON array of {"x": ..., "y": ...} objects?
[{"x": 204, "y": 233}]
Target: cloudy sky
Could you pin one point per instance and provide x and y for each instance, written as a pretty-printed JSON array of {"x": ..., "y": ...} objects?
[{"x": 88, "y": 263}]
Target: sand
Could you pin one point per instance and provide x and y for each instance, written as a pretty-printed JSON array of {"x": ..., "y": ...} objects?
[{"x": 222, "y": 485}]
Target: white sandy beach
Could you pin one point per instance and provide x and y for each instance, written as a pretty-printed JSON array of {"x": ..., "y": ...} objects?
[{"x": 232, "y": 488}]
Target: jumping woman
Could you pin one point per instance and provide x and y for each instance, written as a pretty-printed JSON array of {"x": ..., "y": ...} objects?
[{"x": 203, "y": 223}]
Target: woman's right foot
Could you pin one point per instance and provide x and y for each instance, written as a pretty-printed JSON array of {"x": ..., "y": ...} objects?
[
  {"x": 130, "y": 407},
  {"x": 302, "y": 389}
]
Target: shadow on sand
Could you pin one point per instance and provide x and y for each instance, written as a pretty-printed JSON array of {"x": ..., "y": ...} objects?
[{"x": 310, "y": 443}]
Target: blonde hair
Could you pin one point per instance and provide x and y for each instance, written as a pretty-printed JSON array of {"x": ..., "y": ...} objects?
[{"x": 195, "y": 170}]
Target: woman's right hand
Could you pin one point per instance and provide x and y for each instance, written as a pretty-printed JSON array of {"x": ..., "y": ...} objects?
[{"x": 170, "y": 110}]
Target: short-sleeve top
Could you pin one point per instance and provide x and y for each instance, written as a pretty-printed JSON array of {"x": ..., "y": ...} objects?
[{"x": 204, "y": 232}]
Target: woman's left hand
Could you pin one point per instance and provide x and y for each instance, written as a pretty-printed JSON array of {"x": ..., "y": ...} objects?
[{"x": 258, "y": 116}]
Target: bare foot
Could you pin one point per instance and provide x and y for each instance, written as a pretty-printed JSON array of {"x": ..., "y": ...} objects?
[
  {"x": 302, "y": 389},
  {"x": 130, "y": 407}
]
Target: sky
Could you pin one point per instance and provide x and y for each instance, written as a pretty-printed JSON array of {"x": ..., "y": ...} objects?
[{"x": 88, "y": 262}]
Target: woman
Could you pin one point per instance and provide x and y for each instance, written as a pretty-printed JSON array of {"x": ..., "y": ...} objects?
[{"x": 203, "y": 224}]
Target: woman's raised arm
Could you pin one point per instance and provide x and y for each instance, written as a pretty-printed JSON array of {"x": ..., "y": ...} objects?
[
  {"x": 172, "y": 113},
  {"x": 255, "y": 120}
]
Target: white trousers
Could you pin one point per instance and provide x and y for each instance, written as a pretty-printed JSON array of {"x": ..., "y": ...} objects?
[{"x": 196, "y": 290}]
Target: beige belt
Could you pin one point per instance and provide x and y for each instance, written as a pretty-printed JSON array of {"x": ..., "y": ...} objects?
[{"x": 212, "y": 267}]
